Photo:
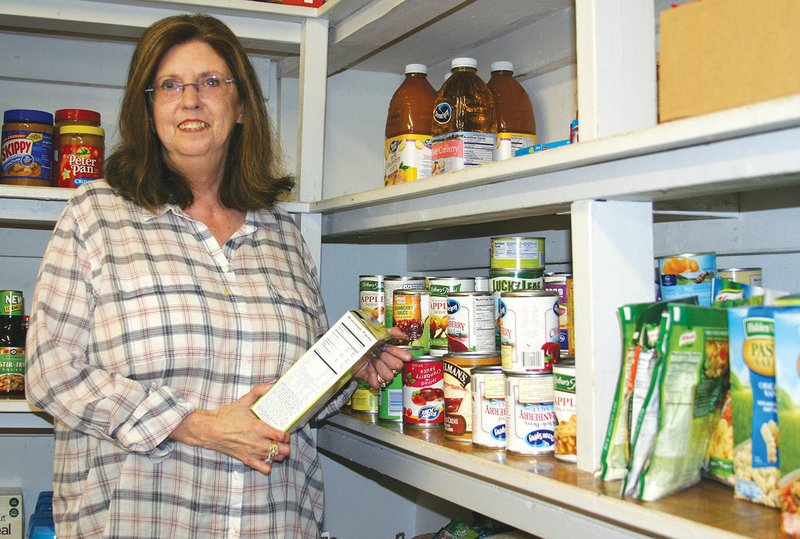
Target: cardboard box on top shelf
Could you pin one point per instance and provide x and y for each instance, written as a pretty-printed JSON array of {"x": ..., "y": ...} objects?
[{"x": 719, "y": 54}]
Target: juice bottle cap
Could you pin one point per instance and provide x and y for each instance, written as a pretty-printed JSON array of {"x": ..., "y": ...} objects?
[
  {"x": 502, "y": 66},
  {"x": 464, "y": 62},
  {"x": 417, "y": 68}
]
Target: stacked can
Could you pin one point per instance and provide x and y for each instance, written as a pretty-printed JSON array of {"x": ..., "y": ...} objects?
[
  {"x": 562, "y": 283},
  {"x": 411, "y": 313},
  {"x": 392, "y": 283},
  {"x": 440, "y": 288},
  {"x": 516, "y": 263}
]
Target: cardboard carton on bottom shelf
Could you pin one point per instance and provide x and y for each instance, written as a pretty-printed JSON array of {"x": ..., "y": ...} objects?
[
  {"x": 323, "y": 370},
  {"x": 11, "y": 512}
]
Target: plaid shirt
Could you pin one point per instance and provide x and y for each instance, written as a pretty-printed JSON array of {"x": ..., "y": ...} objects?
[{"x": 140, "y": 318}]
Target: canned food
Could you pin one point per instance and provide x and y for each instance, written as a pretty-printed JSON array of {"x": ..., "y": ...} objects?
[
  {"x": 510, "y": 280},
  {"x": 530, "y": 418},
  {"x": 686, "y": 275},
  {"x": 390, "y": 397},
  {"x": 371, "y": 295},
  {"x": 566, "y": 430},
  {"x": 411, "y": 314},
  {"x": 528, "y": 326},
  {"x": 749, "y": 276},
  {"x": 457, "y": 369},
  {"x": 560, "y": 283},
  {"x": 488, "y": 407},
  {"x": 470, "y": 322},
  {"x": 423, "y": 392},
  {"x": 365, "y": 399},
  {"x": 481, "y": 284},
  {"x": 439, "y": 288},
  {"x": 392, "y": 283},
  {"x": 517, "y": 253}
]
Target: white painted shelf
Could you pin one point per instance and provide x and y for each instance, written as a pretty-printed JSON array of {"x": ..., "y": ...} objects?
[{"x": 539, "y": 495}]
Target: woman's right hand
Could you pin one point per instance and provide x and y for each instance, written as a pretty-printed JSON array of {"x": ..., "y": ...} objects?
[{"x": 235, "y": 431}]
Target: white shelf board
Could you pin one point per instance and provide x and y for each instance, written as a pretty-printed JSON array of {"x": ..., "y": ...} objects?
[
  {"x": 521, "y": 495},
  {"x": 261, "y": 26},
  {"x": 697, "y": 156},
  {"x": 16, "y": 414}
]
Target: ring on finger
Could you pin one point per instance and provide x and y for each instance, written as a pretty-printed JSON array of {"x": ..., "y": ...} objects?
[
  {"x": 381, "y": 381},
  {"x": 273, "y": 451}
]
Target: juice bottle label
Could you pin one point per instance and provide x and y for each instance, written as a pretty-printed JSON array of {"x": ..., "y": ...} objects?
[
  {"x": 509, "y": 143},
  {"x": 407, "y": 158},
  {"x": 455, "y": 151}
]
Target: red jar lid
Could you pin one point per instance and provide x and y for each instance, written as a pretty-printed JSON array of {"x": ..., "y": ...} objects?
[{"x": 78, "y": 114}]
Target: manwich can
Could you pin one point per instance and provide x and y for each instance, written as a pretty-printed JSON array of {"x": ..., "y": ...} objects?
[{"x": 457, "y": 367}]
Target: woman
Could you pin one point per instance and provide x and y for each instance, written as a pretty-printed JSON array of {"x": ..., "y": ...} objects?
[{"x": 169, "y": 294}]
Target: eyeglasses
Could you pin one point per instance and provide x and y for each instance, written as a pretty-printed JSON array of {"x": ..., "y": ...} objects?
[{"x": 171, "y": 89}]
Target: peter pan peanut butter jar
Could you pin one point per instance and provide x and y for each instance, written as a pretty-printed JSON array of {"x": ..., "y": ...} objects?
[{"x": 81, "y": 151}]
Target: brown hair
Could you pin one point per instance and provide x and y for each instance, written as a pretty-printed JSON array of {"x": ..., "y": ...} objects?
[{"x": 136, "y": 168}]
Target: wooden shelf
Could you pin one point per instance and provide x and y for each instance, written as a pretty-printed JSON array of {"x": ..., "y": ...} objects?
[{"x": 540, "y": 495}]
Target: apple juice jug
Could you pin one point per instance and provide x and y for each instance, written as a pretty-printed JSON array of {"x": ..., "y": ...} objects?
[
  {"x": 464, "y": 125},
  {"x": 407, "y": 148},
  {"x": 516, "y": 124}
]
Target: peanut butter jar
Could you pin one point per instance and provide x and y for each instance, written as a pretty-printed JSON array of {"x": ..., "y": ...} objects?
[
  {"x": 27, "y": 147},
  {"x": 81, "y": 151}
]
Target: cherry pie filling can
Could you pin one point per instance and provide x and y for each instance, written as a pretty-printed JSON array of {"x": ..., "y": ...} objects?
[{"x": 423, "y": 392}]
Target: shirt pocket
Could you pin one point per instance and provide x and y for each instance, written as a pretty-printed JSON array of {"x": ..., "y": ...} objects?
[
  {"x": 159, "y": 321},
  {"x": 296, "y": 326}
]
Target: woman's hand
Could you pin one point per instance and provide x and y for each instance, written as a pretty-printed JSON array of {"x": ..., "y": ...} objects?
[
  {"x": 381, "y": 369},
  {"x": 235, "y": 431}
]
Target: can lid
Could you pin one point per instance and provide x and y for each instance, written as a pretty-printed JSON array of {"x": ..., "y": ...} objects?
[
  {"x": 83, "y": 129},
  {"x": 78, "y": 114},
  {"x": 502, "y": 66},
  {"x": 464, "y": 62},
  {"x": 28, "y": 115},
  {"x": 416, "y": 68}
]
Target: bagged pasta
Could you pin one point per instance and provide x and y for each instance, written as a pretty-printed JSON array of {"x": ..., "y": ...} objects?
[
  {"x": 787, "y": 392},
  {"x": 682, "y": 404}
]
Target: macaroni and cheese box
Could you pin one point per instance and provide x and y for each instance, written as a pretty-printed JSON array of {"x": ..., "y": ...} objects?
[
  {"x": 323, "y": 370},
  {"x": 11, "y": 512},
  {"x": 787, "y": 390}
]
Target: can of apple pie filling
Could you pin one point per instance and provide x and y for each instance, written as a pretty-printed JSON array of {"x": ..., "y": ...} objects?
[
  {"x": 530, "y": 414},
  {"x": 529, "y": 330},
  {"x": 457, "y": 367},
  {"x": 423, "y": 392},
  {"x": 488, "y": 407},
  {"x": 371, "y": 295}
]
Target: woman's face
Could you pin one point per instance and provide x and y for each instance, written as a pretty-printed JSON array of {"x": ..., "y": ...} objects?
[{"x": 194, "y": 128}]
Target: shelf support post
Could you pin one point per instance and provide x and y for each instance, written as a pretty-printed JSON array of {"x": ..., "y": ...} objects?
[
  {"x": 616, "y": 58},
  {"x": 612, "y": 265}
]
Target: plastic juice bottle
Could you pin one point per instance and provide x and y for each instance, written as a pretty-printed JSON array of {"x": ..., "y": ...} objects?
[
  {"x": 464, "y": 125},
  {"x": 407, "y": 150},
  {"x": 516, "y": 124}
]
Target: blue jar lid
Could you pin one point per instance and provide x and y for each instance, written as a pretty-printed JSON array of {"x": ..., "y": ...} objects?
[{"x": 28, "y": 115}]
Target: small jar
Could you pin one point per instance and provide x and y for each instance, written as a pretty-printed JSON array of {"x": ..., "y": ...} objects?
[
  {"x": 64, "y": 117},
  {"x": 27, "y": 147},
  {"x": 81, "y": 150}
]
